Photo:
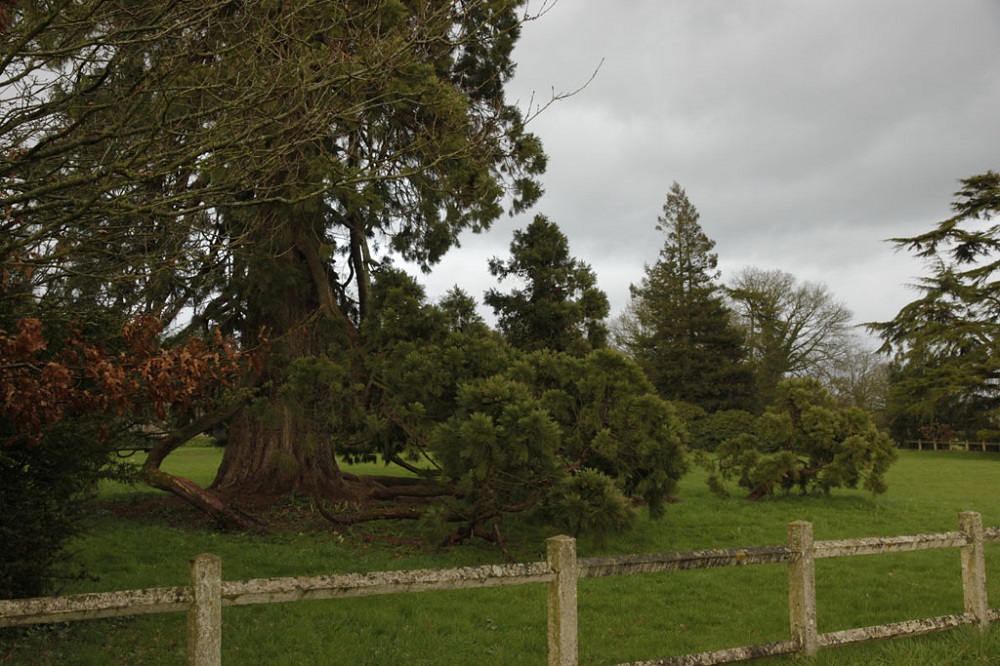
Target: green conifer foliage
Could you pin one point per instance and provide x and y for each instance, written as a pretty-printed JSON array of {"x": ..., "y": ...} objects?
[
  {"x": 805, "y": 441},
  {"x": 683, "y": 334},
  {"x": 945, "y": 369},
  {"x": 560, "y": 306}
]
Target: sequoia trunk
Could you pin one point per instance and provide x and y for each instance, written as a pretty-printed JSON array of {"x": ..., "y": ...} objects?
[
  {"x": 280, "y": 444},
  {"x": 276, "y": 454}
]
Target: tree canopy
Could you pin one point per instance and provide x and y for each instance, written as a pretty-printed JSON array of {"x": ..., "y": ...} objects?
[
  {"x": 252, "y": 170},
  {"x": 242, "y": 178},
  {"x": 945, "y": 370},
  {"x": 791, "y": 329}
]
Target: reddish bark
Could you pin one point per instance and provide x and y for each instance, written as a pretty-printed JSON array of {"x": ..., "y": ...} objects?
[
  {"x": 276, "y": 447},
  {"x": 276, "y": 459}
]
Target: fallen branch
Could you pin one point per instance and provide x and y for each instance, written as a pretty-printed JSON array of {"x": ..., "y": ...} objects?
[{"x": 226, "y": 516}]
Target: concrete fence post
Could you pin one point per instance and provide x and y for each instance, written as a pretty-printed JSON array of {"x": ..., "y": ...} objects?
[
  {"x": 204, "y": 619},
  {"x": 974, "y": 568},
  {"x": 802, "y": 588},
  {"x": 562, "y": 601}
]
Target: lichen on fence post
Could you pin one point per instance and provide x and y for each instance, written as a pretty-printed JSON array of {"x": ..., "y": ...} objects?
[
  {"x": 802, "y": 588},
  {"x": 204, "y": 620},
  {"x": 562, "y": 621},
  {"x": 974, "y": 568}
]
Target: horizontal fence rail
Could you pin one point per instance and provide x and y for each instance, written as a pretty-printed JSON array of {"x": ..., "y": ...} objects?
[
  {"x": 271, "y": 590},
  {"x": 696, "y": 559},
  {"x": 899, "y": 544},
  {"x": 205, "y": 595},
  {"x": 953, "y": 445},
  {"x": 94, "y": 605}
]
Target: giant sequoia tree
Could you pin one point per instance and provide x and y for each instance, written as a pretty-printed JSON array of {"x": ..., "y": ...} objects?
[
  {"x": 681, "y": 330},
  {"x": 249, "y": 168}
]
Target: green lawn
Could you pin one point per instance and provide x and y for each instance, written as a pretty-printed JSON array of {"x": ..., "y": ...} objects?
[{"x": 621, "y": 619}]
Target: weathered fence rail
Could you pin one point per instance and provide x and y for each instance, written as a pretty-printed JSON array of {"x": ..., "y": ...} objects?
[
  {"x": 953, "y": 445},
  {"x": 206, "y": 593}
]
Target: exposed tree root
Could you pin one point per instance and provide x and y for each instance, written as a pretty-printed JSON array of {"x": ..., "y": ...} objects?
[
  {"x": 475, "y": 528},
  {"x": 390, "y": 493},
  {"x": 226, "y": 516},
  {"x": 368, "y": 515}
]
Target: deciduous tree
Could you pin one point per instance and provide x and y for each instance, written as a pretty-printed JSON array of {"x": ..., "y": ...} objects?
[
  {"x": 860, "y": 378},
  {"x": 791, "y": 329},
  {"x": 65, "y": 404}
]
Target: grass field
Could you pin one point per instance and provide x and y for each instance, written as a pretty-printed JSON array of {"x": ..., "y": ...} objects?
[{"x": 621, "y": 619}]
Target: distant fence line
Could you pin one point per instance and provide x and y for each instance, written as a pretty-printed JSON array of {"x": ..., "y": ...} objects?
[
  {"x": 954, "y": 445},
  {"x": 206, "y": 593}
]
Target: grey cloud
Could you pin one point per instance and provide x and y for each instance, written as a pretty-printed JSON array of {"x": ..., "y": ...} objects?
[{"x": 806, "y": 133}]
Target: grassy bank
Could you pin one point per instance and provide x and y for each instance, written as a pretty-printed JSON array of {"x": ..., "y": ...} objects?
[{"x": 621, "y": 619}]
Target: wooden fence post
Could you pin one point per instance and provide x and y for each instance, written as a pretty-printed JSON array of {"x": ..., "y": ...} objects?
[
  {"x": 562, "y": 601},
  {"x": 204, "y": 620},
  {"x": 974, "y": 568},
  {"x": 802, "y": 588}
]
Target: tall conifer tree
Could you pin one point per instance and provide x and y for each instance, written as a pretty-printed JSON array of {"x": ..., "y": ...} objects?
[
  {"x": 946, "y": 372},
  {"x": 560, "y": 306},
  {"x": 683, "y": 334}
]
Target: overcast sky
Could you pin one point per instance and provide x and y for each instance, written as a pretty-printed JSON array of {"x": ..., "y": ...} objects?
[{"x": 806, "y": 132}]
